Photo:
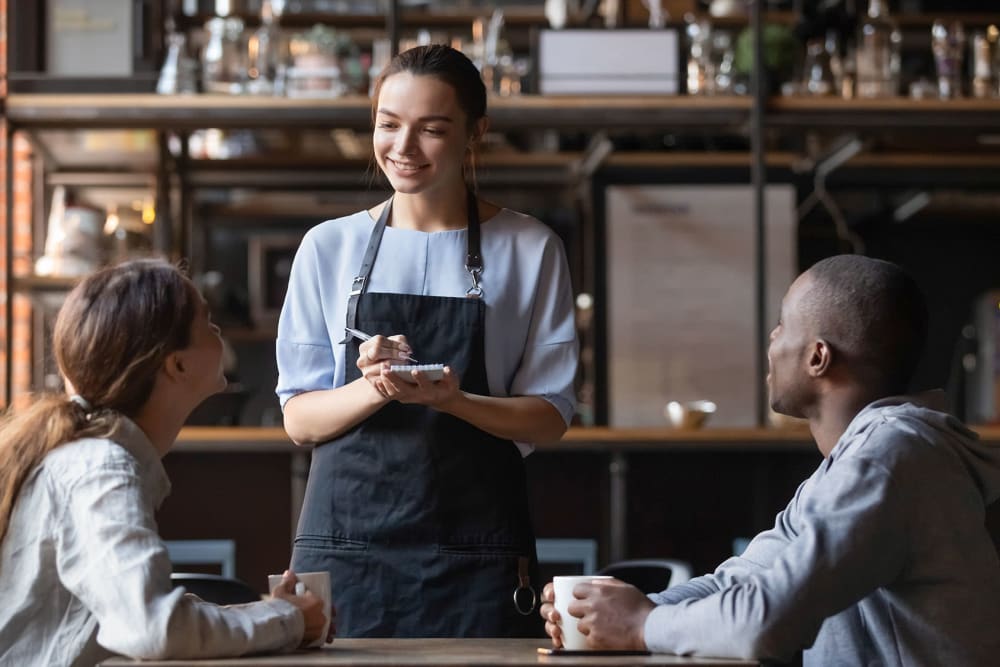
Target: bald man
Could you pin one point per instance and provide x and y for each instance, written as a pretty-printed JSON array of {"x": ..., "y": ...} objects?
[{"x": 881, "y": 557}]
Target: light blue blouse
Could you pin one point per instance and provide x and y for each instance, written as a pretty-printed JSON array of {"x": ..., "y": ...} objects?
[{"x": 531, "y": 345}]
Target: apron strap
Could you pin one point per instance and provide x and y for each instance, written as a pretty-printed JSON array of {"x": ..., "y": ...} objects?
[
  {"x": 473, "y": 256},
  {"x": 360, "y": 283}
]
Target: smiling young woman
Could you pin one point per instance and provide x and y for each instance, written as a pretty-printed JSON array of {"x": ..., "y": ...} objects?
[{"x": 417, "y": 502}]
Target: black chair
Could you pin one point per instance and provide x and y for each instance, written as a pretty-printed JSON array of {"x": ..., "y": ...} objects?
[
  {"x": 650, "y": 575},
  {"x": 214, "y": 588}
]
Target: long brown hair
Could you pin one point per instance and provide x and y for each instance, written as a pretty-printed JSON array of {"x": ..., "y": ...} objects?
[
  {"x": 112, "y": 336},
  {"x": 452, "y": 67}
]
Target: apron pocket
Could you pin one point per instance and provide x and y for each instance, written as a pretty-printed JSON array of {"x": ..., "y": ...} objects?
[
  {"x": 329, "y": 543},
  {"x": 480, "y": 550}
]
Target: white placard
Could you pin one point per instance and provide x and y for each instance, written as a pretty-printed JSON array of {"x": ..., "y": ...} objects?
[
  {"x": 608, "y": 61},
  {"x": 89, "y": 38}
]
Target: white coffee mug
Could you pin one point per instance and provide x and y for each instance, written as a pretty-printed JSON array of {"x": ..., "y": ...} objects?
[
  {"x": 571, "y": 637},
  {"x": 318, "y": 583}
]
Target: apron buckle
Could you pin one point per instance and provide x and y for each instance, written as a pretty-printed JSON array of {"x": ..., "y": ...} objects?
[{"x": 476, "y": 291}]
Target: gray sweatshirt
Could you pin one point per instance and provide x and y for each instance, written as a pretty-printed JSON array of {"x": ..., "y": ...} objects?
[{"x": 881, "y": 557}]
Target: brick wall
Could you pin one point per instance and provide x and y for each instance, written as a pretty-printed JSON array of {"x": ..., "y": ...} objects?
[{"x": 22, "y": 307}]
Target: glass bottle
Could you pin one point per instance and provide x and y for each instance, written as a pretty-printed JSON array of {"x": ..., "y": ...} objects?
[
  {"x": 982, "y": 66},
  {"x": 948, "y": 44},
  {"x": 817, "y": 75},
  {"x": 179, "y": 72},
  {"x": 831, "y": 45},
  {"x": 699, "y": 34},
  {"x": 875, "y": 77},
  {"x": 264, "y": 51},
  {"x": 223, "y": 59}
]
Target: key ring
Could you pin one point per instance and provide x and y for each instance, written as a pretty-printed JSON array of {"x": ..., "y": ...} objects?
[
  {"x": 517, "y": 603},
  {"x": 524, "y": 584}
]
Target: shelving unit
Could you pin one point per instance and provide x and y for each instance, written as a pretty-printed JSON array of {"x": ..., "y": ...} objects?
[{"x": 34, "y": 112}]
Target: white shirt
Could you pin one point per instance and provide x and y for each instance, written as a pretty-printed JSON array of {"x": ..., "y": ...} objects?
[
  {"x": 84, "y": 574},
  {"x": 530, "y": 337}
]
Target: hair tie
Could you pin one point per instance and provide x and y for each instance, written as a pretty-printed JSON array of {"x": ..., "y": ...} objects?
[{"x": 82, "y": 402}]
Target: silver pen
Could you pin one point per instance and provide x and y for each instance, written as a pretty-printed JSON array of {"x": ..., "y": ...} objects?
[{"x": 361, "y": 335}]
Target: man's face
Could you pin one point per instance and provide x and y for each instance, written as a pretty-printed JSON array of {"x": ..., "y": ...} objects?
[{"x": 788, "y": 383}]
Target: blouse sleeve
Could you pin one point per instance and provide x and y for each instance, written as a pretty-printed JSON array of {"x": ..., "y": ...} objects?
[
  {"x": 112, "y": 559},
  {"x": 549, "y": 363},
  {"x": 304, "y": 350}
]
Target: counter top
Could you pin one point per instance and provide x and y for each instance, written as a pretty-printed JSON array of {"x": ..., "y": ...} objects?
[
  {"x": 601, "y": 439},
  {"x": 437, "y": 652}
]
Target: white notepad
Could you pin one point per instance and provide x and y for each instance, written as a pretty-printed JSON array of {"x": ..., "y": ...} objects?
[{"x": 432, "y": 372}]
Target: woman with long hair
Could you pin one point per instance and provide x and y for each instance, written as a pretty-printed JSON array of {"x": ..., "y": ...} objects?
[
  {"x": 83, "y": 572},
  {"x": 416, "y": 501}
]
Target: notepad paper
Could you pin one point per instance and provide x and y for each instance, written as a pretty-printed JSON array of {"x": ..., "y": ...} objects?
[{"x": 431, "y": 372}]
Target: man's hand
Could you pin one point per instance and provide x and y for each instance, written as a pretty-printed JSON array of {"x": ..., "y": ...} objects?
[
  {"x": 612, "y": 614},
  {"x": 551, "y": 616}
]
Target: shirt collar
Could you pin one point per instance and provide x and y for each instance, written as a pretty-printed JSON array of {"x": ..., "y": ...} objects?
[{"x": 133, "y": 439}]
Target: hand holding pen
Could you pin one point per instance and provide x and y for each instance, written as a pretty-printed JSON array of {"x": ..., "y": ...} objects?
[
  {"x": 428, "y": 384},
  {"x": 388, "y": 348}
]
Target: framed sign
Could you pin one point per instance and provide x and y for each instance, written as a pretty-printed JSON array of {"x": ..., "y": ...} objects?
[{"x": 269, "y": 265}]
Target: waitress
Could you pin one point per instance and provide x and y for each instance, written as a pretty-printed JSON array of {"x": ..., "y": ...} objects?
[{"x": 416, "y": 502}]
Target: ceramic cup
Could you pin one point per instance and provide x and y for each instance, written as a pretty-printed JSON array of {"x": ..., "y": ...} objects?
[
  {"x": 571, "y": 637},
  {"x": 319, "y": 584}
]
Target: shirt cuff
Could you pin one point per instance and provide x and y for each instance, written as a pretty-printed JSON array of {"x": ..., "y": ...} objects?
[
  {"x": 654, "y": 629},
  {"x": 293, "y": 623}
]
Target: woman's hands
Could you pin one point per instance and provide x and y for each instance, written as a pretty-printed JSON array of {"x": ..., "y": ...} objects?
[
  {"x": 377, "y": 354},
  {"x": 311, "y": 606}
]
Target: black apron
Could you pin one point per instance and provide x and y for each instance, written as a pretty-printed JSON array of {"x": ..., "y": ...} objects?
[{"x": 421, "y": 518}]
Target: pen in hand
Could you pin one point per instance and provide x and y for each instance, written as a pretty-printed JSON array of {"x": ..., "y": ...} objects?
[{"x": 361, "y": 335}]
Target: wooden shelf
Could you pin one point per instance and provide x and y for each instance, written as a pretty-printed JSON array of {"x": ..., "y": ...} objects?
[
  {"x": 43, "y": 283},
  {"x": 637, "y": 112},
  {"x": 187, "y": 112},
  {"x": 894, "y": 113}
]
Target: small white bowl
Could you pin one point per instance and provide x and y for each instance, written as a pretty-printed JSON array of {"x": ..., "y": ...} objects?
[{"x": 691, "y": 414}]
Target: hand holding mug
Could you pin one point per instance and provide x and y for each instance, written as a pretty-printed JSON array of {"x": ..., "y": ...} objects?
[{"x": 315, "y": 605}]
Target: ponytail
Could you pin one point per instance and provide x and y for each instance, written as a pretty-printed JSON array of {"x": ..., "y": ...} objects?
[{"x": 26, "y": 437}]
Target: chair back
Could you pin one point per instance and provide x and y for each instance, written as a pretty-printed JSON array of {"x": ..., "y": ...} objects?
[
  {"x": 216, "y": 589},
  {"x": 650, "y": 575}
]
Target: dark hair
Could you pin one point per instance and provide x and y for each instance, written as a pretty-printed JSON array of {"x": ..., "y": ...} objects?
[
  {"x": 874, "y": 314},
  {"x": 444, "y": 63},
  {"x": 111, "y": 337}
]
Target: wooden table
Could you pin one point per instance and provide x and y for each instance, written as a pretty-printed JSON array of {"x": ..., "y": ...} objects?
[{"x": 427, "y": 652}]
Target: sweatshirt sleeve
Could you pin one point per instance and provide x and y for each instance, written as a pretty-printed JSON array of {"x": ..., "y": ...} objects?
[
  {"x": 758, "y": 556},
  {"x": 112, "y": 559},
  {"x": 848, "y": 539}
]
